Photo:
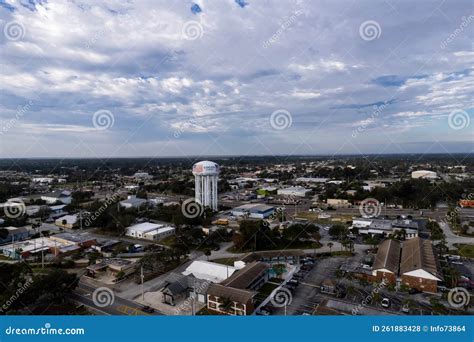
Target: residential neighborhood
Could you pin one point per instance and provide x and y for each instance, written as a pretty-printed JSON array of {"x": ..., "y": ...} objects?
[{"x": 301, "y": 238}]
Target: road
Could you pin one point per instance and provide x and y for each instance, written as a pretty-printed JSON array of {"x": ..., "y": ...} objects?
[
  {"x": 452, "y": 238},
  {"x": 118, "y": 306}
]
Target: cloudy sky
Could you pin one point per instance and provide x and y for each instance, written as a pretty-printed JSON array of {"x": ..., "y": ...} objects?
[{"x": 173, "y": 78}]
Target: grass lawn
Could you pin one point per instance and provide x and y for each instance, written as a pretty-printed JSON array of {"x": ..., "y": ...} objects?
[
  {"x": 294, "y": 245},
  {"x": 466, "y": 251},
  {"x": 169, "y": 241}
]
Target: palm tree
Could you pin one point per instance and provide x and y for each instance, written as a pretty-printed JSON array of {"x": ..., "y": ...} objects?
[
  {"x": 227, "y": 304},
  {"x": 330, "y": 244}
]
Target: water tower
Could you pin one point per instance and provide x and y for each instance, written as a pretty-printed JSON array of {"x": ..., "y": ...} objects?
[{"x": 206, "y": 175}]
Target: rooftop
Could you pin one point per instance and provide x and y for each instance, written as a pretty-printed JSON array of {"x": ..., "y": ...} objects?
[{"x": 209, "y": 271}]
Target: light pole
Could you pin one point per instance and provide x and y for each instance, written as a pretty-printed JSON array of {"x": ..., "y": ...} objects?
[{"x": 143, "y": 290}]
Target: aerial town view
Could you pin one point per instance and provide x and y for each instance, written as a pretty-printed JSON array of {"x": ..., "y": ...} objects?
[{"x": 286, "y": 160}]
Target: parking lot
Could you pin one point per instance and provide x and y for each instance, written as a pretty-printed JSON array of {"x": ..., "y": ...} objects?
[{"x": 356, "y": 298}]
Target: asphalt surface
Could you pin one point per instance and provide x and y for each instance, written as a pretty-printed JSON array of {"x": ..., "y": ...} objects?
[{"x": 114, "y": 305}]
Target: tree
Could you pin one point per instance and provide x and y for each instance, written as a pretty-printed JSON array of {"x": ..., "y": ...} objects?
[
  {"x": 119, "y": 275},
  {"x": 227, "y": 304},
  {"x": 3, "y": 233},
  {"x": 207, "y": 252},
  {"x": 338, "y": 231}
]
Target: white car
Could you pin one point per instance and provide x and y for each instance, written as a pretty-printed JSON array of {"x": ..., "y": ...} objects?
[{"x": 385, "y": 303}]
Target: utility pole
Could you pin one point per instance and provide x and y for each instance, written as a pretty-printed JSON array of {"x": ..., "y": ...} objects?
[
  {"x": 193, "y": 308},
  {"x": 42, "y": 253},
  {"x": 143, "y": 289}
]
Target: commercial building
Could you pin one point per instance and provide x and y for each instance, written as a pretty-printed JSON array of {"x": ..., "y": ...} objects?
[
  {"x": 425, "y": 174},
  {"x": 254, "y": 210},
  {"x": 83, "y": 240},
  {"x": 235, "y": 295},
  {"x": 209, "y": 271},
  {"x": 142, "y": 175},
  {"x": 68, "y": 221},
  {"x": 15, "y": 234},
  {"x": 133, "y": 202},
  {"x": 206, "y": 175},
  {"x": 412, "y": 263},
  {"x": 28, "y": 248},
  {"x": 385, "y": 227},
  {"x": 111, "y": 270},
  {"x": 387, "y": 261},
  {"x": 298, "y": 191},
  {"x": 311, "y": 180},
  {"x": 338, "y": 202},
  {"x": 178, "y": 287},
  {"x": 57, "y": 197},
  {"x": 150, "y": 231},
  {"x": 419, "y": 267}
]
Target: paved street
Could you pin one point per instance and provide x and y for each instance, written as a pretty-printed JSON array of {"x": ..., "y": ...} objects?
[
  {"x": 118, "y": 306},
  {"x": 452, "y": 238}
]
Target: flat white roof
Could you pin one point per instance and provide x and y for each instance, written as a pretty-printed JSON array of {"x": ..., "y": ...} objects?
[
  {"x": 210, "y": 271},
  {"x": 35, "y": 245},
  {"x": 144, "y": 227},
  {"x": 160, "y": 230}
]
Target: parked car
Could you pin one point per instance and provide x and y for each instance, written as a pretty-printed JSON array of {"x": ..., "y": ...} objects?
[
  {"x": 266, "y": 310},
  {"x": 413, "y": 291},
  {"x": 386, "y": 303},
  {"x": 263, "y": 312},
  {"x": 294, "y": 281},
  {"x": 148, "y": 309}
]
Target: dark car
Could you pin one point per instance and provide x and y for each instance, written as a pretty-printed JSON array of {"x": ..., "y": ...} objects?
[
  {"x": 294, "y": 281},
  {"x": 413, "y": 291},
  {"x": 148, "y": 309}
]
